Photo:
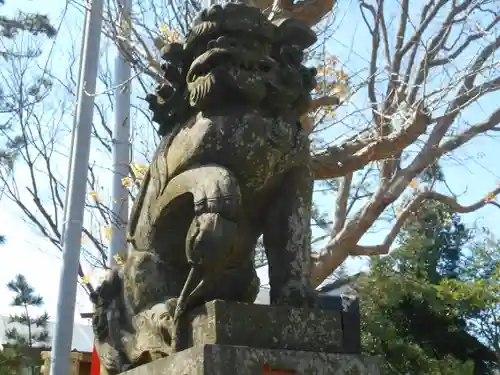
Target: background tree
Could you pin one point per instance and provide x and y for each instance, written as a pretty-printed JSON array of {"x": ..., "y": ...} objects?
[
  {"x": 414, "y": 115},
  {"x": 33, "y": 23},
  {"x": 419, "y": 304},
  {"x": 379, "y": 156},
  {"x": 10, "y": 360},
  {"x": 480, "y": 281},
  {"x": 31, "y": 330},
  {"x": 10, "y": 28}
]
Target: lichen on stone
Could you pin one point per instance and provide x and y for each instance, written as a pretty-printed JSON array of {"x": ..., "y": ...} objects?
[{"x": 233, "y": 164}]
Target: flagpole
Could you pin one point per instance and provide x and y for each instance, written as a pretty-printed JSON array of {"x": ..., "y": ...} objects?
[
  {"x": 73, "y": 132},
  {"x": 120, "y": 144},
  {"x": 63, "y": 334}
]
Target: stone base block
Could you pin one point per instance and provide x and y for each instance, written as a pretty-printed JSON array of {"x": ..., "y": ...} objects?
[
  {"x": 240, "y": 360},
  {"x": 270, "y": 327}
]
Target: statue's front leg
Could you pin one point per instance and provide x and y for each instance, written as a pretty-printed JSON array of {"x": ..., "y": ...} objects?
[
  {"x": 287, "y": 240},
  {"x": 216, "y": 201}
]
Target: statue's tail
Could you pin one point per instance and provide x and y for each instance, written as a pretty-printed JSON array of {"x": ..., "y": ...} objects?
[{"x": 194, "y": 279}]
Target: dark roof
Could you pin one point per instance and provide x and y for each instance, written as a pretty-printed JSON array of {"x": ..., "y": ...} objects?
[{"x": 339, "y": 283}]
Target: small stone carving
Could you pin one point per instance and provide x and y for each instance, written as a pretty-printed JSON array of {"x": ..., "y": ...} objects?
[{"x": 233, "y": 164}]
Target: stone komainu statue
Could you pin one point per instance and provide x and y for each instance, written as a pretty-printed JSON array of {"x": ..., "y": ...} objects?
[{"x": 233, "y": 164}]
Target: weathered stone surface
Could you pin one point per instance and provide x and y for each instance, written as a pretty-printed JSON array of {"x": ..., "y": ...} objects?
[
  {"x": 267, "y": 327},
  {"x": 348, "y": 308},
  {"x": 233, "y": 164},
  {"x": 234, "y": 360}
]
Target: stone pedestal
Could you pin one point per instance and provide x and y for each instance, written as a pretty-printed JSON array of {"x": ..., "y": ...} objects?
[{"x": 240, "y": 339}]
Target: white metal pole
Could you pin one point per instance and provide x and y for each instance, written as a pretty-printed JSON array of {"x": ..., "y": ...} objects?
[
  {"x": 121, "y": 144},
  {"x": 77, "y": 189},
  {"x": 73, "y": 132}
]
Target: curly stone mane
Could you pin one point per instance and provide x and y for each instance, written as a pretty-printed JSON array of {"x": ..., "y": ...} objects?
[{"x": 234, "y": 55}]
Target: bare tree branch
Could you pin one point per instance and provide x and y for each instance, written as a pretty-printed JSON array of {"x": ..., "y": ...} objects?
[
  {"x": 423, "y": 123},
  {"x": 412, "y": 208},
  {"x": 426, "y": 68},
  {"x": 341, "y": 204},
  {"x": 356, "y": 154},
  {"x": 334, "y": 255}
]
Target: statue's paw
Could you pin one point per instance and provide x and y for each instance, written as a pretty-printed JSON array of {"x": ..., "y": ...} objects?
[{"x": 209, "y": 237}]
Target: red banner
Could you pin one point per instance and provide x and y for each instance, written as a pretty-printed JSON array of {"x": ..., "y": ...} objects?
[
  {"x": 95, "y": 365},
  {"x": 268, "y": 370}
]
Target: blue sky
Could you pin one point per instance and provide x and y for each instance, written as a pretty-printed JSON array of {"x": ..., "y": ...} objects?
[
  {"x": 471, "y": 172},
  {"x": 26, "y": 252}
]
